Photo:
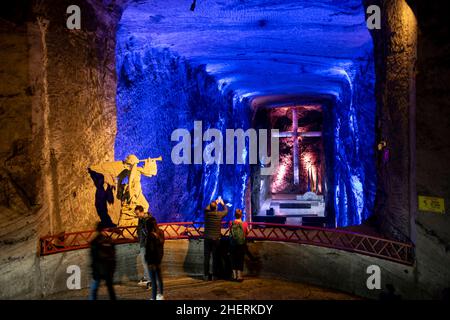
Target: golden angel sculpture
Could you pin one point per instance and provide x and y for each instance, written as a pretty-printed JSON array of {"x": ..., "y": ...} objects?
[{"x": 128, "y": 183}]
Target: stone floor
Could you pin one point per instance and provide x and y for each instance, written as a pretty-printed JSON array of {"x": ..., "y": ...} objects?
[{"x": 194, "y": 289}]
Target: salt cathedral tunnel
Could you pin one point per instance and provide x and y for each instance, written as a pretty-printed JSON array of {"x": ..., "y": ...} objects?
[
  {"x": 353, "y": 120},
  {"x": 175, "y": 68}
]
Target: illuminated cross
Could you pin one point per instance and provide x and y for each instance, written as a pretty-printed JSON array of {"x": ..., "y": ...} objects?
[{"x": 294, "y": 134}]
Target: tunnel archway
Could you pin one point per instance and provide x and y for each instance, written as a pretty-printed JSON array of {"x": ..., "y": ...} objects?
[{"x": 216, "y": 64}]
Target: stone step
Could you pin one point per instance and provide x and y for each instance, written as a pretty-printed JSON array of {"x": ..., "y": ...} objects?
[{"x": 298, "y": 205}]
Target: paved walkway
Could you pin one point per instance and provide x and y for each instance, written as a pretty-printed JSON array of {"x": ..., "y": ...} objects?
[{"x": 194, "y": 289}]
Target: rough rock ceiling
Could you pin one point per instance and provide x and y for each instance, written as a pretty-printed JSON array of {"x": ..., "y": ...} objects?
[{"x": 258, "y": 48}]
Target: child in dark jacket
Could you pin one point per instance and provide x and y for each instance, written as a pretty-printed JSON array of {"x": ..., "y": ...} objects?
[{"x": 154, "y": 253}]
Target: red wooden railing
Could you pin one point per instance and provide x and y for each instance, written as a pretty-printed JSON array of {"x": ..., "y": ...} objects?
[{"x": 331, "y": 238}]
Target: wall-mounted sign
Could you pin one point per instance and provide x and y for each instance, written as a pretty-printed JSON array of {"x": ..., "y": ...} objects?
[{"x": 432, "y": 204}]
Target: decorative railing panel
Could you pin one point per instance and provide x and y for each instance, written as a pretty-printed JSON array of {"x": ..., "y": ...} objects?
[{"x": 331, "y": 238}]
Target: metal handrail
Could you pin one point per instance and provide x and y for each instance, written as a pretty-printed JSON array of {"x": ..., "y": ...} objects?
[{"x": 331, "y": 238}]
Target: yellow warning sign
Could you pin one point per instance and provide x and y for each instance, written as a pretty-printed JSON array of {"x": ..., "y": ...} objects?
[{"x": 432, "y": 204}]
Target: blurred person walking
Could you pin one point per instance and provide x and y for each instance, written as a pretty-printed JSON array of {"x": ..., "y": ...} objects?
[{"x": 103, "y": 263}]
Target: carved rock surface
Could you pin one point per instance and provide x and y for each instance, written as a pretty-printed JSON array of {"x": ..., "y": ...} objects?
[{"x": 175, "y": 67}]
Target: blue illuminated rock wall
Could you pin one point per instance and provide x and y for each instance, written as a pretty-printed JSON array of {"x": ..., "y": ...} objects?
[
  {"x": 225, "y": 53},
  {"x": 349, "y": 144},
  {"x": 159, "y": 92}
]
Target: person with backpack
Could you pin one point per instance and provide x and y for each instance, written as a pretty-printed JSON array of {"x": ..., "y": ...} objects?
[
  {"x": 238, "y": 234},
  {"x": 154, "y": 252},
  {"x": 103, "y": 263}
]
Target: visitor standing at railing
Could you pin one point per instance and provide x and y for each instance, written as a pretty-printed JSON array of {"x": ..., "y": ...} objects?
[
  {"x": 103, "y": 262},
  {"x": 238, "y": 235},
  {"x": 142, "y": 238},
  {"x": 212, "y": 234},
  {"x": 153, "y": 255}
]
